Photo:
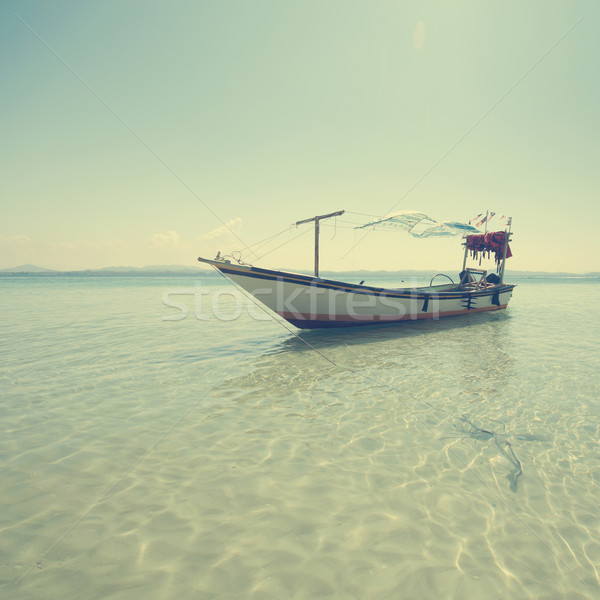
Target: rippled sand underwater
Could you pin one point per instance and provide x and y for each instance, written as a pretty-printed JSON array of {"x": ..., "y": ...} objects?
[{"x": 147, "y": 458}]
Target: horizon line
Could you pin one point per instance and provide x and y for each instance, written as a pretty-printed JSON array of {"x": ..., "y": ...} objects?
[{"x": 30, "y": 269}]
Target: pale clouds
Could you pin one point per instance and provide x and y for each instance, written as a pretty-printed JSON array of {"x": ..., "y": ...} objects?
[
  {"x": 419, "y": 35},
  {"x": 62, "y": 246},
  {"x": 232, "y": 227},
  {"x": 14, "y": 240},
  {"x": 164, "y": 247},
  {"x": 167, "y": 239},
  {"x": 114, "y": 244},
  {"x": 16, "y": 249},
  {"x": 19, "y": 249}
]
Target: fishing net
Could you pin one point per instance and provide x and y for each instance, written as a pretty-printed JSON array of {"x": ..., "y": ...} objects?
[{"x": 420, "y": 225}]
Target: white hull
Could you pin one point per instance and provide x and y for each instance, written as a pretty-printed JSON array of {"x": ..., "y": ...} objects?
[{"x": 311, "y": 302}]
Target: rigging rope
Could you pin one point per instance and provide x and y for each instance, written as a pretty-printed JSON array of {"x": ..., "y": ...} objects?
[
  {"x": 448, "y": 449},
  {"x": 503, "y": 445},
  {"x": 284, "y": 243},
  {"x": 349, "y": 212},
  {"x": 258, "y": 245},
  {"x": 338, "y": 224}
]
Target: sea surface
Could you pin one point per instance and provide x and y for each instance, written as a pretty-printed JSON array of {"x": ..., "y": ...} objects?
[{"x": 163, "y": 438}]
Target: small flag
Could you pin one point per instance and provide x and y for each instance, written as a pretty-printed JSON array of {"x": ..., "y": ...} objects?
[{"x": 481, "y": 221}]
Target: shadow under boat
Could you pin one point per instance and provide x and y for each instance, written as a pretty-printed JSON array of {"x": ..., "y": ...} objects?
[{"x": 382, "y": 332}]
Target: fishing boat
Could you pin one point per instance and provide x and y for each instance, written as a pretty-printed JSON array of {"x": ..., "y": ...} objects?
[{"x": 310, "y": 301}]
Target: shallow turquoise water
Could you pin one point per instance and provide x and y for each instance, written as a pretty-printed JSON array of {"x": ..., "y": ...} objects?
[{"x": 146, "y": 455}]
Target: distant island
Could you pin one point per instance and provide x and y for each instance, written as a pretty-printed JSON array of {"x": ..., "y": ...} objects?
[
  {"x": 29, "y": 270},
  {"x": 150, "y": 270}
]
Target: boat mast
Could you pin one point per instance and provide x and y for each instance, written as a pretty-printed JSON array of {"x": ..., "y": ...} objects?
[
  {"x": 487, "y": 212},
  {"x": 506, "y": 240},
  {"x": 316, "y": 220},
  {"x": 466, "y": 254}
]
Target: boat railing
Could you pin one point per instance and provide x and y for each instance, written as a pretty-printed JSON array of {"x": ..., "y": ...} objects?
[{"x": 469, "y": 279}]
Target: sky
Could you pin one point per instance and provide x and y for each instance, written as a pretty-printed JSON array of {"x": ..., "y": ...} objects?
[{"x": 150, "y": 133}]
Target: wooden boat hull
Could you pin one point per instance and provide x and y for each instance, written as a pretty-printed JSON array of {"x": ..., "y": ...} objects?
[{"x": 312, "y": 302}]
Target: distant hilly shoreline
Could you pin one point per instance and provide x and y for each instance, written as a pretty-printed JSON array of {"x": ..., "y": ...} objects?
[{"x": 29, "y": 270}]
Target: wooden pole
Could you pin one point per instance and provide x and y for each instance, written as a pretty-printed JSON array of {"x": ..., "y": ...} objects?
[
  {"x": 506, "y": 240},
  {"x": 316, "y": 220},
  {"x": 316, "y": 246},
  {"x": 465, "y": 256}
]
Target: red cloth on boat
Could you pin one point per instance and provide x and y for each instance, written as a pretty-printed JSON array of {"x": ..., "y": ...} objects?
[{"x": 492, "y": 242}]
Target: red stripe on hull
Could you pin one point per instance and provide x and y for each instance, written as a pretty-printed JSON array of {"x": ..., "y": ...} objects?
[{"x": 366, "y": 319}]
